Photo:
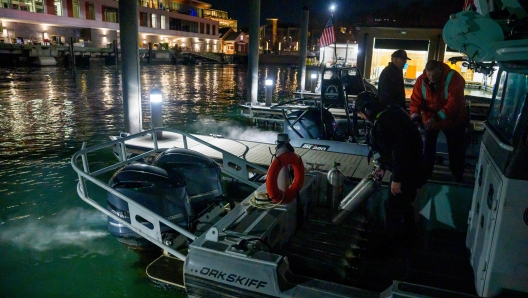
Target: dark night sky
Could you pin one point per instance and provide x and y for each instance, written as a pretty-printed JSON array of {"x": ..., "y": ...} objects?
[{"x": 289, "y": 11}]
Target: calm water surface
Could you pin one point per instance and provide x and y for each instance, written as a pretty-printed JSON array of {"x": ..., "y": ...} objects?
[{"x": 53, "y": 244}]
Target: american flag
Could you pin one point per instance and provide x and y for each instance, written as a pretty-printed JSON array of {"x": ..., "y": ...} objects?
[{"x": 328, "y": 36}]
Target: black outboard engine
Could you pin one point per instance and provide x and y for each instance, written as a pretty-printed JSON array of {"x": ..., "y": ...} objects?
[
  {"x": 201, "y": 176},
  {"x": 149, "y": 186},
  {"x": 308, "y": 124}
]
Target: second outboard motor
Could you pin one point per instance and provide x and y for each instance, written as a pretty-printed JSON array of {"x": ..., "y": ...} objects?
[
  {"x": 150, "y": 187},
  {"x": 199, "y": 174},
  {"x": 307, "y": 124}
]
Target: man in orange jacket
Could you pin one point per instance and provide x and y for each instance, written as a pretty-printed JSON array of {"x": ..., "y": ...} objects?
[{"x": 438, "y": 102}]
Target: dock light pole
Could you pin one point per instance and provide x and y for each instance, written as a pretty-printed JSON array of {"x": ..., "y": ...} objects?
[
  {"x": 313, "y": 77},
  {"x": 269, "y": 91},
  {"x": 156, "y": 102}
]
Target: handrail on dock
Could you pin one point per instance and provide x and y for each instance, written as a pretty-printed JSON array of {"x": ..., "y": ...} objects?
[{"x": 240, "y": 172}]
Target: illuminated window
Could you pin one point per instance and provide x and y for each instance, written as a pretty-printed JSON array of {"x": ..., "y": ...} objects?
[
  {"x": 76, "y": 9},
  {"x": 162, "y": 22},
  {"x": 58, "y": 7},
  {"x": 153, "y": 20},
  {"x": 90, "y": 11},
  {"x": 110, "y": 14}
]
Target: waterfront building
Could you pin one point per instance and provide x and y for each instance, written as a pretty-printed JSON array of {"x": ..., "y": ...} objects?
[
  {"x": 234, "y": 42},
  {"x": 95, "y": 23},
  {"x": 222, "y": 17},
  {"x": 279, "y": 37},
  {"x": 376, "y": 44}
]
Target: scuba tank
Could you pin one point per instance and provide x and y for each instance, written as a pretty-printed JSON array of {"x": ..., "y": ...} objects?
[{"x": 334, "y": 188}]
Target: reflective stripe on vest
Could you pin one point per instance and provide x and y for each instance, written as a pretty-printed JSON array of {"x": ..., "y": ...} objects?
[{"x": 448, "y": 80}]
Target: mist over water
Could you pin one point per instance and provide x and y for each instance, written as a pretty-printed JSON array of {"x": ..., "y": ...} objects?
[
  {"x": 72, "y": 227},
  {"x": 234, "y": 130}
]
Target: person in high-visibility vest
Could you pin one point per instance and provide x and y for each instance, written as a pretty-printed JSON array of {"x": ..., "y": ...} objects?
[{"x": 438, "y": 102}]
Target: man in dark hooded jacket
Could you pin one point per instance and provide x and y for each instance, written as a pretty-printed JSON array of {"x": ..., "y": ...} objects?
[
  {"x": 391, "y": 89},
  {"x": 398, "y": 142}
]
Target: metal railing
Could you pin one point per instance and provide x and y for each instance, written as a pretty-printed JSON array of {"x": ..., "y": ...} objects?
[{"x": 80, "y": 163}]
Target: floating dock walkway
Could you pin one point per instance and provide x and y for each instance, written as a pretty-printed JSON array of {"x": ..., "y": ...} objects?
[
  {"x": 353, "y": 166},
  {"x": 261, "y": 154}
]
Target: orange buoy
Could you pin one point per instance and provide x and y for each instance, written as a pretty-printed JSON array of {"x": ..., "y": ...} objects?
[{"x": 274, "y": 193}]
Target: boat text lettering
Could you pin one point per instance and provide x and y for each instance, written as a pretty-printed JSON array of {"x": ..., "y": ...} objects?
[
  {"x": 233, "y": 278},
  {"x": 315, "y": 147}
]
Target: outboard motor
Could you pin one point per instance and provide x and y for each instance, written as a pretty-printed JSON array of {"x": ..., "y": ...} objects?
[
  {"x": 149, "y": 186},
  {"x": 307, "y": 124},
  {"x": 200, "y": 175}
]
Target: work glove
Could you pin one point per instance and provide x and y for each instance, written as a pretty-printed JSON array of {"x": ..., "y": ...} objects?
[{"x": 417, "y": 119}]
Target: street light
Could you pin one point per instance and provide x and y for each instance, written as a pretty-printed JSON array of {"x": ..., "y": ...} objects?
[
  {"x": 312, "y": 85},
  {"x": 332, "y": 8},
  {"x": 269, "y": 91},
  {"x": 156, "y": 102}
]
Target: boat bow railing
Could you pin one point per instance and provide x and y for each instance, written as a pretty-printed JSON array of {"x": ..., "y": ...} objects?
[{"x": 81, "y": 165}]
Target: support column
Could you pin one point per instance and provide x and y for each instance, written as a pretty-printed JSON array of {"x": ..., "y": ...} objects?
[
  {"x": 301, "y": 73},
  {"x": 116, "y": 53},
  {"x": 254, "y": 26},
  {"x": 128, "y": 26}
]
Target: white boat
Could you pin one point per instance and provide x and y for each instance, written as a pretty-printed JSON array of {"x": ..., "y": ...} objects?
[
  {"x": 473, "y": 239},
  {"x": 45, "y": 61}
]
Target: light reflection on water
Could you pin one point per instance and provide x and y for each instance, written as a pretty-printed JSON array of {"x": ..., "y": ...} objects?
[{"x": 46, "y": 232}]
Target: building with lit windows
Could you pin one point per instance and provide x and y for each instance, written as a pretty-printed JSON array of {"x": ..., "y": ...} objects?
[
  {"x": 222, "y": 17},
  {"x": 95, "y": 23},
  {"x": 279, "y": 37},
  {"x": 234, "y": 42}
]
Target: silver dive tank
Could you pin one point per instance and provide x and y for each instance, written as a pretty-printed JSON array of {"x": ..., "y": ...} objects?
[
  {"x": 334, "y": 188},
  {"x": 362, "y": 192}
]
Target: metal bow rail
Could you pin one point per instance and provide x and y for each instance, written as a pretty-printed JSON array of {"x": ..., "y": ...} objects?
[{"x": 80, "y": 163}]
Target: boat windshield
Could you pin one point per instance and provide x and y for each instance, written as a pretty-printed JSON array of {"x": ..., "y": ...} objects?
[{"x": 508, "y": 104}]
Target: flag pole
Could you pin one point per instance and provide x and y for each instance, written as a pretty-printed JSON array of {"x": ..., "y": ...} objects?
[
  {"x": 324, "y": 51},
  {"x": 335, "y": 45}
]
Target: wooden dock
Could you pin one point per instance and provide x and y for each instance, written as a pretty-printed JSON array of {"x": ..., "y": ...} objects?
[
  {"x": 352, "y": 166},
  {"x": 261, "y": 154}
]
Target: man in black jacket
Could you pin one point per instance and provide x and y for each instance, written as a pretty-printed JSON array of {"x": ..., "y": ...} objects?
[
  {"x": 391, "y": 90},
  {"x": 399, "y": 144}
]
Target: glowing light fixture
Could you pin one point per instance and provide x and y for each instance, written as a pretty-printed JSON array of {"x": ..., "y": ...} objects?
[
  {"x": 269, "y": 91},
  {"x": 156, "y": 96},
  {"x": 156, "y": 100}
]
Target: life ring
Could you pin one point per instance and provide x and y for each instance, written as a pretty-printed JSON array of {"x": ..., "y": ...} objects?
[{"x": 274, "y": 193}]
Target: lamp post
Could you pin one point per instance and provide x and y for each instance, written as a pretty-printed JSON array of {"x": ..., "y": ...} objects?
[
  {"x": 156, "y": 102},
  {"x": 313, "y": 77},
  {"x": 269, "y": 91}
]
